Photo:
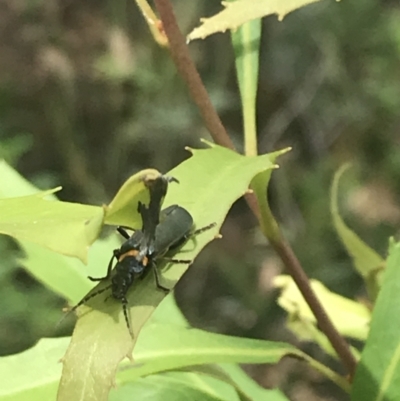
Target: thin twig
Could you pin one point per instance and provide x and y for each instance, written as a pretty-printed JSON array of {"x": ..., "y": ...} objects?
[
  {"x": 185, "y": 66},
  {"x": 284, "y": 250},
  {"x": 152, "y": 22}
]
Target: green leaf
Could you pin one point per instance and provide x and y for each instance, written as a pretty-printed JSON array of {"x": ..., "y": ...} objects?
[
  {"x": 162, "y": 347},
  {"x": 269, "y": 226},
  {"x": 302, "y": 322},
  {"x": 249, "y": 387},
  {"x": 165, "y": 347},
  {"x": 67, "y": 228},
  {"x": 210, "y": 181},
  {"x": 366, "y": 261},
  {"x": 64, "y": 275},
  {"x": 33, "y": 374},
  {"x": 349, "y": 317},
  {"x": 169, "y": 313},
  {"x": 175, "y": 386},
  {"x": 246, "y": 388},
  {"x": 238, "y": 12},
  {"x": 196, "y": 385},
  {"x": 378, "y": 373},
  {"x": 13, "y": 184},
  {"x": 246, "y": 43}
]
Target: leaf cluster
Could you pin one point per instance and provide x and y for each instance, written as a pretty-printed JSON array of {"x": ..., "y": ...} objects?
[{"x": 170, "y": 359}]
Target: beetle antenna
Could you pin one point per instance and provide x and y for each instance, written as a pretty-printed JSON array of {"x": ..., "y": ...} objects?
[
  {"x": 127, "y": 320},
  {"x": 83, "y": 301},
  {"x": 202, "y": 229}
]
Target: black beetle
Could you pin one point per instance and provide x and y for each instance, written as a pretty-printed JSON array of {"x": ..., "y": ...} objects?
[{"x": 162, "y": 233}]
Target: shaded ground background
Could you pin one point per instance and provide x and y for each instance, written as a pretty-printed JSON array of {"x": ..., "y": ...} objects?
[{"x": 87, "y": 99}]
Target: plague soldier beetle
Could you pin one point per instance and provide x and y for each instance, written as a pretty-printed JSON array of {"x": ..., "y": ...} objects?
[{"x": 162, "y": 234}]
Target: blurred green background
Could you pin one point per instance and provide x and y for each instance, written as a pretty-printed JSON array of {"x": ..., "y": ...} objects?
[{"x": 87, "y": 99}]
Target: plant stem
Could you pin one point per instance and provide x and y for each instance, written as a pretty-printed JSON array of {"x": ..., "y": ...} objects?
[
  {"x": 152, "y": 22},
  {"x": 285, "y": 252},
  {"x": 185, "y": 66}
]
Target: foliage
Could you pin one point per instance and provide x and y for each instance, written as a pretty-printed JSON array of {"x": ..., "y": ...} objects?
[
  {"x": 378, "y": 372},
  {"x": 171, "y": 359},
  {"x": 237, "y": 13}
]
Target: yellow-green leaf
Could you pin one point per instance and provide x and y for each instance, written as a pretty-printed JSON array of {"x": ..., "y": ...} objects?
[
  {"x": 209, "y": 182},
  {"x": 349, "y": 317},
  {"x": 33, "y": 374},
  {"x": 366, "y": 261},
  {"x": 63, "y": 227},
  {"x": 237, "y": 13},
  {"x": 246, "y": 43}
]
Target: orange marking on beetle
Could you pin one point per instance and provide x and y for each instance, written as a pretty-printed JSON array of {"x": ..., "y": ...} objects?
[{"x": 133, "y": 252}]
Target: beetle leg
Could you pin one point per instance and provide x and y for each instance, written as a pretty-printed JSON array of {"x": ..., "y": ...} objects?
[
  {"x": 190, "y": 235},
  {"x": 115, "y": 255},
  {"x": 157, "y": 278},
  {"x": 123, "y": 232}
]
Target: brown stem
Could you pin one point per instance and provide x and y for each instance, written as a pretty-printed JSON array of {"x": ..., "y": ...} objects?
[{"x": 185, "y": 66}]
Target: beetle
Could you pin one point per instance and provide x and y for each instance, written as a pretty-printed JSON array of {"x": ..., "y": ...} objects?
[
  {"x": 174, "y": 229},
  {"x": 135, "y": 258},
  {"x": 131, "y": 256}
]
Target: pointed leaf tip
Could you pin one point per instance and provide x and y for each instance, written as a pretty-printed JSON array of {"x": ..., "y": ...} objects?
[{"x": 235, "y": 14}]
